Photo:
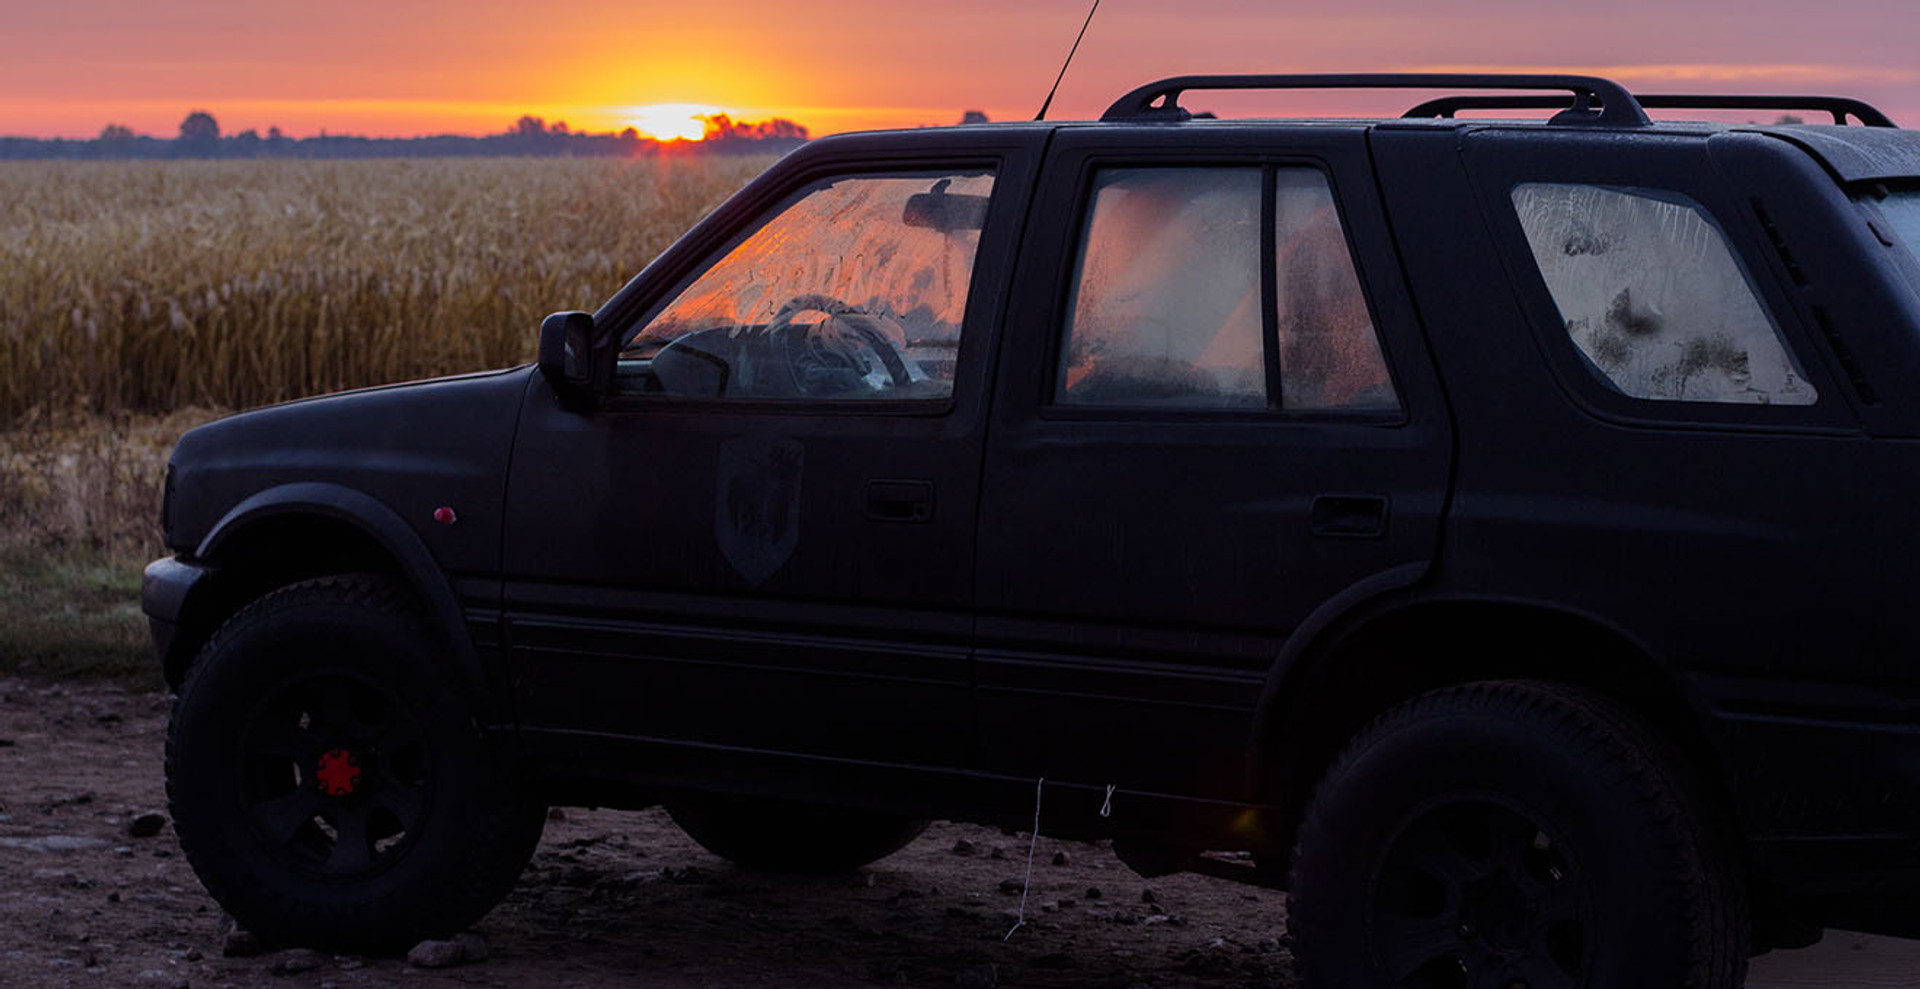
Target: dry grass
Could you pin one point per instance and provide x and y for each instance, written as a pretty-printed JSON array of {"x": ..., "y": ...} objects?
[
  {"x": 87, "y": 486},
  {"x": 153, "y": 286},
  {"x": 79, "y": 517},
  {"x": 135, "y": 297},
  {"x": 73, "y": 616}
]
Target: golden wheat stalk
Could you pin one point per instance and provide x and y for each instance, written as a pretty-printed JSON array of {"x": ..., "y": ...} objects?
[{"x": 151, "y": 286}]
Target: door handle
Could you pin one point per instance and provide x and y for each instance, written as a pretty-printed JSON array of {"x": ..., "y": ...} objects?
[
  {"x": 1349, "y": 516},
  {"x": 900, "y": 501}
]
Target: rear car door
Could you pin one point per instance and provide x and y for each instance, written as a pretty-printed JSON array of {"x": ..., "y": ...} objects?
[
  {"x": 1214, "y": 414},
  {"x": 763, "y": 541}
]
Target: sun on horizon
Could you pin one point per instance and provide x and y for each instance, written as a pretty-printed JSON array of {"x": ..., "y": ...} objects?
[{"x": 671, "y": 121}]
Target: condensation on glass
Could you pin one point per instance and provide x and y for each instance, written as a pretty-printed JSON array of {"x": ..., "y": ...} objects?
[
  {"x": 1166, "y": 297},
  {"x": 854, "y": 289},
  {"x": 1654, "y": 298},
  {"x": 1901, "y": 209},
  {"x": 1329, "y": 353},
  {"x": 1166, "y": 300}
]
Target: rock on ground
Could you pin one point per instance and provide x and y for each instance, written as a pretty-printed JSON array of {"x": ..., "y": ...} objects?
[{"x": 436, "y": 954}]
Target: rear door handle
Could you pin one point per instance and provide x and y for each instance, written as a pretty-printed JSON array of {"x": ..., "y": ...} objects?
[
  {"x": 900, "y": 501},
  {"x": 1349, "y": 516}
]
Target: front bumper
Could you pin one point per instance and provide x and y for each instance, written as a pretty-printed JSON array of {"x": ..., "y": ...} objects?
[{"x": 166, "y": 593}]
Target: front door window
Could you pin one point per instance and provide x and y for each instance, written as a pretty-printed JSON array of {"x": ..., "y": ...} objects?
[{"x": 854, "y": 289}]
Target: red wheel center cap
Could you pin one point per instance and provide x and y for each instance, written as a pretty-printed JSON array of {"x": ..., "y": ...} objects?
[{"x": 338, "y": 772}]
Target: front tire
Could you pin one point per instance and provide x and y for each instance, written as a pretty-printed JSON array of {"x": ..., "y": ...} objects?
[
  {"x": 787, "y": 836},
  {"x": 1513, "y": 834},
  {"x": 329, "y": 786}
]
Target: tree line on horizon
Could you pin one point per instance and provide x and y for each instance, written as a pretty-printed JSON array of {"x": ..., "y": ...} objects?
[{"x": 530, "y": 136}]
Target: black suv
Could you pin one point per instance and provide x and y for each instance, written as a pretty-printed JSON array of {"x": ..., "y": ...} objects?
[{"x": 1502, "y": 530}]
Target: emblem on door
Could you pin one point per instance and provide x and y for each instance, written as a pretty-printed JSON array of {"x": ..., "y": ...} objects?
[{"x": 756, "y": 517}]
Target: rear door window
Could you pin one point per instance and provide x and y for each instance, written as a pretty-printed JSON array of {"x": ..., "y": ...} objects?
[
  {"x": 1172, "y": 305},
  {"x": 1329, "y": 351},
  {"x": 1166, "y": 305}
]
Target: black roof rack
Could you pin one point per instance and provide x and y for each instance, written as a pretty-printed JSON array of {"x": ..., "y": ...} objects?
[
  {"x": 1594, "y": 100},
  {"x": 1840, "y": 107}
]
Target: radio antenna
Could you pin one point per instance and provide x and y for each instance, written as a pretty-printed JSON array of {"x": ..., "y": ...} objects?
[{"x": 1042, "y": 115}]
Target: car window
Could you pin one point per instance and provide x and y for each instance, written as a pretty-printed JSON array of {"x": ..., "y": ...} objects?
[
  {"x": 1166, "y": 308},
  {"x": 1901, "y": 208},
  {"x": 854, "y": 288},
  {"x": 1329, "y": 353},
  {"x": 1653, "y": 297},
  {"x": 1166, "y": 294}
]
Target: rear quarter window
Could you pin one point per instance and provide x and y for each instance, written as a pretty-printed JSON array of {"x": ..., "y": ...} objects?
[
  {"x": 1902, "y": 211},
  {"x": 1654, "y": 298}
]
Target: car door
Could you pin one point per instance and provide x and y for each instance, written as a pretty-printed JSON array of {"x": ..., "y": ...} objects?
[
  {"x": 1214, "y": 414},
  {"x": 762, "y": 539}
]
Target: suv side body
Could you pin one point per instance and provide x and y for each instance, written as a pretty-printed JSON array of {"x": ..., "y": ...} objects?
[{"x": 1179, "y": 615}]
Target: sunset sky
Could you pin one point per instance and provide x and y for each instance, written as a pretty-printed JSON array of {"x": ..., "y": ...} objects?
[{"x": 406, "y": 67}]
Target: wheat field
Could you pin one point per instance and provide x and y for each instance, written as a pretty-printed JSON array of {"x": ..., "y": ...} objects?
[
  {"x": 152, "y": 286},
  {"x": 138, "y": 299}
]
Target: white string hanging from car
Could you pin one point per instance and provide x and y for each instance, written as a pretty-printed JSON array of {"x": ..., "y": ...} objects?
[{"x": 1033, "y": 844}]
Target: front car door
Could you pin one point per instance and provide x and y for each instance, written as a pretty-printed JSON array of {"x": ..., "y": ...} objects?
[
  {"x": 1214, "y": 414},
  {"x": 762, "y": 541}
]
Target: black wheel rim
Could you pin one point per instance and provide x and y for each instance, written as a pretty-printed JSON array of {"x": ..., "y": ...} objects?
[
  {"x": 336, "y": 776},
  {"x": 1478, "y": 895}
]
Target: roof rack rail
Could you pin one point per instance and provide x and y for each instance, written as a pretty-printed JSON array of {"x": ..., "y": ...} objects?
[
  {"x": 1841, "y": 107},
  {"x": 1594, "y": 100}
]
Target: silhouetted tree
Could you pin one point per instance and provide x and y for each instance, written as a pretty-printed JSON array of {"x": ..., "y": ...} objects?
[
  {"x": 200, "y": 137},
  {"x": 199, "y": 134},
  {"x": 720, "y": 127},
  {"x": 779, "y": 129},
  {"x": 116, "y": 140}
]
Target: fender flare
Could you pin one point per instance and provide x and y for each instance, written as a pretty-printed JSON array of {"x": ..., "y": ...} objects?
[
  {"x": 1386, "y": 593},
  {"x": 392, "y": 534},
  {"x": 1307, "y": 639}
]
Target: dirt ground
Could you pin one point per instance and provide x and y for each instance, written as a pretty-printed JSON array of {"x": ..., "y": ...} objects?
[{"x": 618, "y": 899}]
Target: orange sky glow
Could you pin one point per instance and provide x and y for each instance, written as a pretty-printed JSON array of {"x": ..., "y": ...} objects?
[{"x": 474, "y": 66}]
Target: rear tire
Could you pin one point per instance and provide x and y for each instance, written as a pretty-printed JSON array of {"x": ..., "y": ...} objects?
[
  {"x": 328, "y": 784},
  {"x": 1513, "y": 834},
  {"x": 786, "y": 836}
]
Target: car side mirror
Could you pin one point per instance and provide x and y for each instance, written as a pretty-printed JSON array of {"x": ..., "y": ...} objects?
[{"x": 566, "y": 354}]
